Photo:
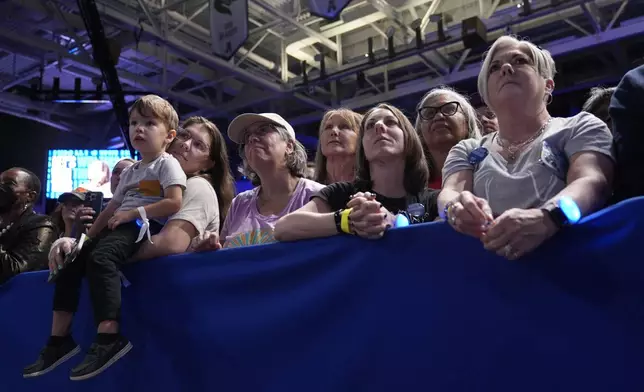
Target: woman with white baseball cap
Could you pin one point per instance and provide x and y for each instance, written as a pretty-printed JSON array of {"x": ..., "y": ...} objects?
[{"x": 275, "y": 162}]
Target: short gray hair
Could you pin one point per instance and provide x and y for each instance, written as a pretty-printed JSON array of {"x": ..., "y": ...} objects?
[
  {"x": 295, "y": 161},
  {"x": 473, "y": 129},
  {"x": 543, "y": 61}
]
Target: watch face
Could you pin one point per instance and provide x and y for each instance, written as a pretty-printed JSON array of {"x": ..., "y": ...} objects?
[{"x": 558, "y": 217}]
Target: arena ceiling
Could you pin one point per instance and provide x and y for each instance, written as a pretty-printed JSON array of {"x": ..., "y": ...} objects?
[{"x": 165, "y": 48}]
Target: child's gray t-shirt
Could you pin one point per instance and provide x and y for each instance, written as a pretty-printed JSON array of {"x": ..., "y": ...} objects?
[
  {"x": 539, "y": 172},
  {"x": 144, "y": 183}
]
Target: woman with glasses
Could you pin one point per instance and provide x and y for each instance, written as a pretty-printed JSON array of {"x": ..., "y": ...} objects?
[
  {"x": 275, "y": 162},
  {"x": 390, "y": 188},
  {"x": 444, "y": 118},
  {"x": 517, "y": 187}
]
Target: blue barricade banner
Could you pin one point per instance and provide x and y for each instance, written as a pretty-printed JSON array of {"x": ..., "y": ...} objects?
[{"x": 424, "y": 309}]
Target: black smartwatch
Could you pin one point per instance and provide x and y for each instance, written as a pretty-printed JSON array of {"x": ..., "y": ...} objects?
[
  {"x": 557, "y": 215},
  {"x": 566, "y": 212},
  {"x": 337, "y": 218}
]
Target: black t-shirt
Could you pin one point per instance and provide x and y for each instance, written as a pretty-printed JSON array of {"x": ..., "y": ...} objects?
[{"x": 337, "y": 196}]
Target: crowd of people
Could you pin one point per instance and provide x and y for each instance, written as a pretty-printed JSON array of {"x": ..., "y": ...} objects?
[{"x": 497, "y": 173}]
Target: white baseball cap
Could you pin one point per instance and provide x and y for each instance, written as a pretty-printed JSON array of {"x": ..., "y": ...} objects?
[{"x": 238, "y": 127}]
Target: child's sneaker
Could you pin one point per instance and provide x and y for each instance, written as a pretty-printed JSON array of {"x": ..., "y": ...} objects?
[
  {"x": 51, "y": 356},
  {"x": 100, "y": 356}
]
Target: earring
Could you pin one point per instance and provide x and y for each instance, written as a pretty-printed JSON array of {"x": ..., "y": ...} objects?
[{"x": 548, "y": 98}]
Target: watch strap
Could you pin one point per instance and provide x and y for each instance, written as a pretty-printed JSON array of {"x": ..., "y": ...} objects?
[
  {"x": 557, "y": 215},
  {"x": 337, "y": 218}
]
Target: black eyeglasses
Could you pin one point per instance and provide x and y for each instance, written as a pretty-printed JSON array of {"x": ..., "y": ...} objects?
[{"x": 448, "y": 109}]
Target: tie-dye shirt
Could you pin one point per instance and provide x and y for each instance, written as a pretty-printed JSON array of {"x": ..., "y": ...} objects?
[{"x": 244, "y": 224}]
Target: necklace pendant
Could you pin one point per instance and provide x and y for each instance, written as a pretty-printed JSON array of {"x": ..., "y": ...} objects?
[{"x": 512, "y": 153}]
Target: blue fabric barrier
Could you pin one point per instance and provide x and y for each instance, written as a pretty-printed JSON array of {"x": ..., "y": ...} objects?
[{"x": 424, "y": 309}]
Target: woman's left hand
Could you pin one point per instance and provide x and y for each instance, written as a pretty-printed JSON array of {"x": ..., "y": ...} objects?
[
  {"x": 368, "y": 218},
  {"x": 517, "y": 232}
]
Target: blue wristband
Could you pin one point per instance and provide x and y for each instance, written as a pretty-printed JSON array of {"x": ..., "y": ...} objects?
[{"x": 401, "y": 221}]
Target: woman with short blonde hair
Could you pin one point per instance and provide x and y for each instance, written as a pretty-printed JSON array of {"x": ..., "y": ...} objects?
[{"x": 507, "y": 189}]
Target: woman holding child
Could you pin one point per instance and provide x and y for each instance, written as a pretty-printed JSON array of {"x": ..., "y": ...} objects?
[{"x": 199, "y": 152}]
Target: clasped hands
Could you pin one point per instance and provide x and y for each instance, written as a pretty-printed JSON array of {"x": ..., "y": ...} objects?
[
  {"x": 368, "y": 218},
  {"x": 512, "y": 234}
]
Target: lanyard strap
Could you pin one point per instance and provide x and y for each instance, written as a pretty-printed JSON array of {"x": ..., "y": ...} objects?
[{"x": 145, "y": 226}]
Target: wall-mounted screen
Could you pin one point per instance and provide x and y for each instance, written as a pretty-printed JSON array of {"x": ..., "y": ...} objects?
[{"x": 89, "y": 169}]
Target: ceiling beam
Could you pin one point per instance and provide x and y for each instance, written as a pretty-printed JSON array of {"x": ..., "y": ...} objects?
[
  {"x": 131, "y": 79},
  {"x": 21, "y": 103},
  {"x": 556, "y": 49},
  {"x": 307, "y": 30},
  {"x": 356, "y": 20},
  {"x": 40, "y": 118},
  {"x": 22, "y": 107},
  {"x": 31, "y": 73},
  {"x": 496, "y": 25},
  {"x": 205, "y": 34},
  {"x": 115, "y": 12},
  {"x": 190, "y": 51},
  {"x": 126, "y": 40}
]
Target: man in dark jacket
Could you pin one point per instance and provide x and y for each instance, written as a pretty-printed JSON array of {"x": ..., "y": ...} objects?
[
  {"x": 628, "y": 131},
  {"x": 25, "y": 237}
]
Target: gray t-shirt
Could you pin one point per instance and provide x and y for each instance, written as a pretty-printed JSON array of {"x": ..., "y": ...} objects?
[
  {"x": 539, "y": 171},
  {"x": 199, "y": 206},
  {"x": 144, "y": 183}
]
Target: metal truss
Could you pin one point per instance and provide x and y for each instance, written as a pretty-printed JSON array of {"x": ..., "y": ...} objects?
[
  {"x": 556, "y": 48},
  {"x": 165, "y": 48}
]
